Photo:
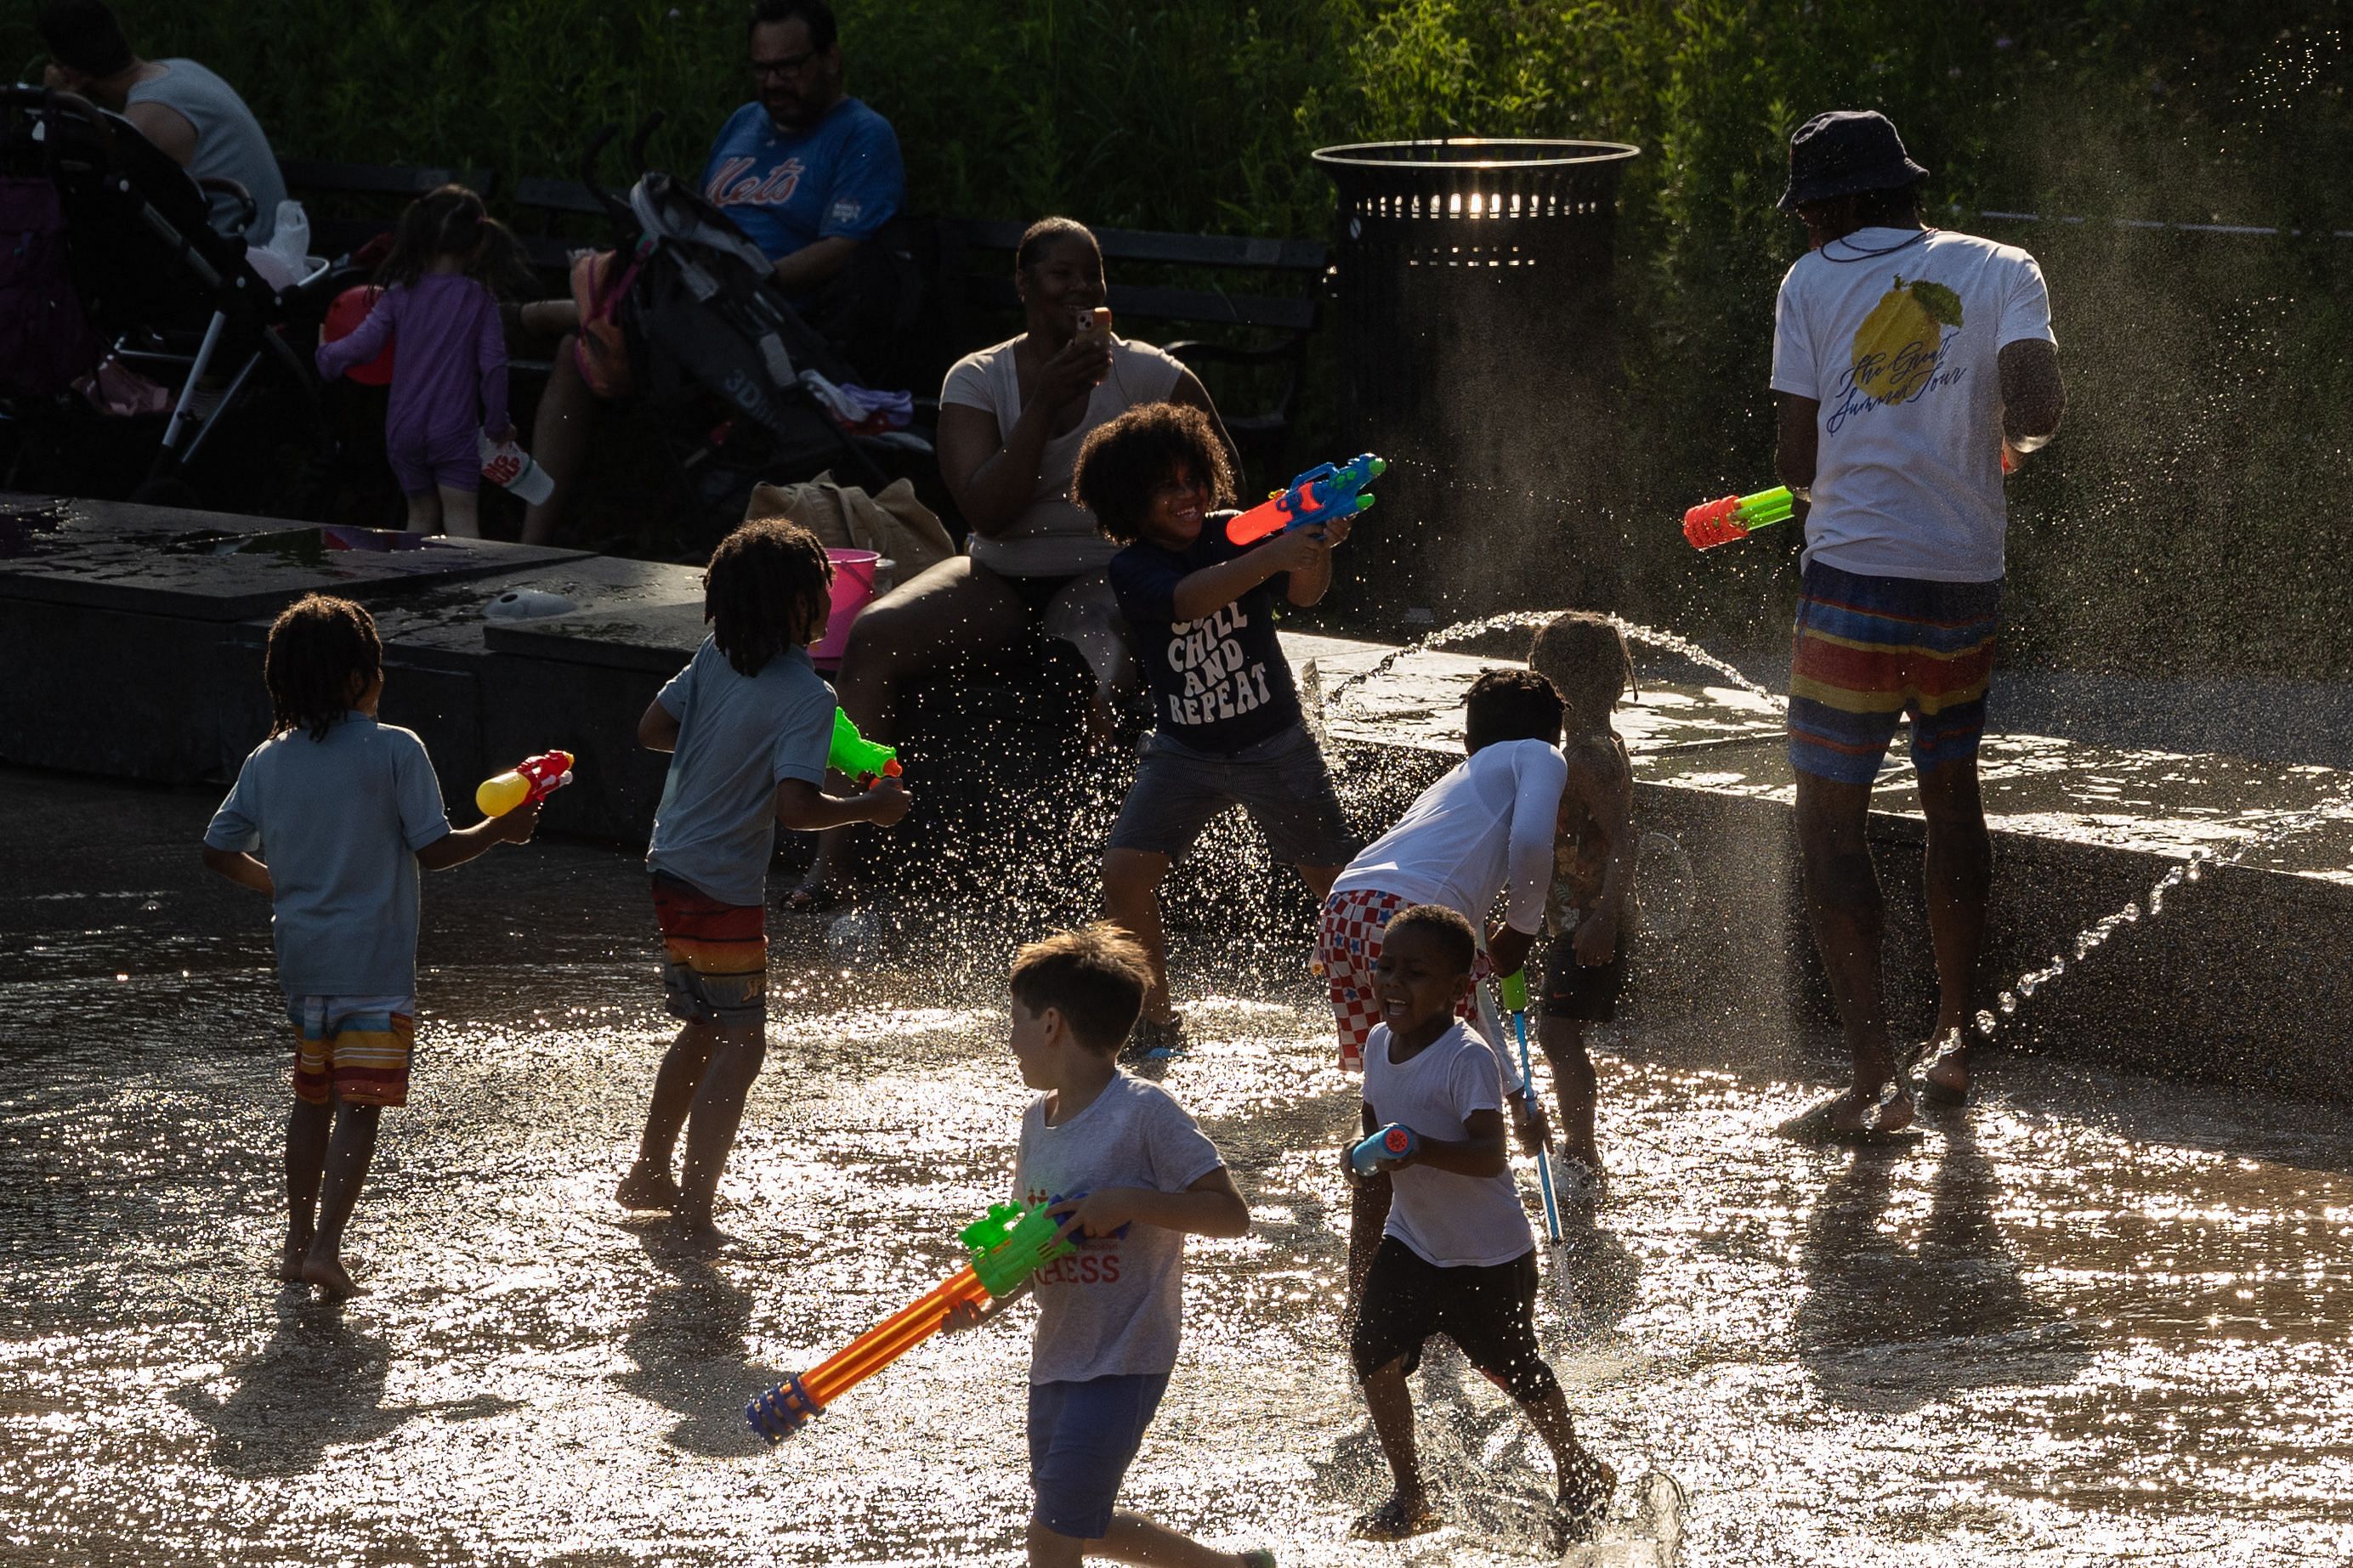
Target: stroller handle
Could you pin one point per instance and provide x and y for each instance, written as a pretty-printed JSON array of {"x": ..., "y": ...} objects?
[{"x": 646, "y": 129}]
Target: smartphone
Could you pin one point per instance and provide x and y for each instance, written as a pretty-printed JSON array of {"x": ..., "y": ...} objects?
[{"x": 1096, "y": 319}]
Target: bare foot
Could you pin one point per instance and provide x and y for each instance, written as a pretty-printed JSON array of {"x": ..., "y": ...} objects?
[
  {"x": 334, "y": 1281},
  {"x": 647, "y": 1186},
  {"x": 1586, "y": 1490},
  {"x": 1395, "y": 1520},
  {"x": 1862, "y": 1113},
  {"x": 289, "y": 1259},
  {"x": 1945, "y": 1068},
  {"x": 691, "y": 1231}
]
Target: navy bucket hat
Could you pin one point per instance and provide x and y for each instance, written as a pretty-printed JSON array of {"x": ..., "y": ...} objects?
[{"x": 1845, "y": 152}]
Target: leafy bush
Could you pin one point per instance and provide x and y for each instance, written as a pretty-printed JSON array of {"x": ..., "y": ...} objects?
[{"x": 2189, "y": 515}]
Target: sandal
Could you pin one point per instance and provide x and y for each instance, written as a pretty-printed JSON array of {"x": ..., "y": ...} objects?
[
  {"x": 812, "y": 897},
  {"x": 1393, "y": 1520},
  {"x": 1156, "y": 1041}
]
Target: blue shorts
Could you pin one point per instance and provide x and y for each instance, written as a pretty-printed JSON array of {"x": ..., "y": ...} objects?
[{"x": 1083, "y": 1437}]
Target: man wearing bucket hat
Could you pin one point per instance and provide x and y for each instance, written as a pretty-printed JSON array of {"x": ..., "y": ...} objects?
[{"x": 1912, "y": 368}]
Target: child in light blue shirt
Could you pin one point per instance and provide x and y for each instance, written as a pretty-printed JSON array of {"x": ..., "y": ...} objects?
[
  {"x": 748, "y": 724},
  {"x": 331, "y": 817}
]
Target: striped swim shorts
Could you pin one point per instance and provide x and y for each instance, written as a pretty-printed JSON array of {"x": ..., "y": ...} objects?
[
  {"x": 1871, "y": 651},
  {"x": 715, "y": 956},
  {"x": 352, "y": 1048}
]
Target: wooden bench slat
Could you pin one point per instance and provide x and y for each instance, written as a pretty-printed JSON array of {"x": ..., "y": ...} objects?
[
  {"x": 1172, "y": 250},
  {"x": 1154, "y": 304},
  {"x": 541, "y": 195},
  {"x": 327, "y": 176}
]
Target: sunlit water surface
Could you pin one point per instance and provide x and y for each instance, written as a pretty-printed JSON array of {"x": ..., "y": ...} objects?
[{"x": 2097, "y": 1319}]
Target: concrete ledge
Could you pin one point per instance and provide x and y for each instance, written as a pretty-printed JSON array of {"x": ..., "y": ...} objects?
[{"x": 135, "y": 648}]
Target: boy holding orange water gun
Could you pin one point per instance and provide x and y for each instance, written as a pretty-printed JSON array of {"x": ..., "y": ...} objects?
[{"x": 1110, "y": 1315}]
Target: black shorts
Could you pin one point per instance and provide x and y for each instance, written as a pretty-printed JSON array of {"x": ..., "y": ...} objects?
[
  {"x": 1489, "y": 1312},
  {"x": 1282, "y": 782},
  {"x": 1587, "y": 992}
]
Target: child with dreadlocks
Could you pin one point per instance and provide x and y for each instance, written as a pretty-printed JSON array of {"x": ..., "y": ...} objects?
[
  {"x": 330, "y": 818},
  {"x": 748, "y": 724},
  {"x": 449, "y": 367},
  {"x": 1583, "y": 655}
]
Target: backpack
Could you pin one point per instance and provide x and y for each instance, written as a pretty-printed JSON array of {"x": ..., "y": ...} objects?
[{"x": 46, "y": 341}]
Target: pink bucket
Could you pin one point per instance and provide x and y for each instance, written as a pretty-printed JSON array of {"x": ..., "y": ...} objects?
[{"x": 853, "y": 590}]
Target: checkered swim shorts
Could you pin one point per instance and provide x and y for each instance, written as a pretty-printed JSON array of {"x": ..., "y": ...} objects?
[{"x": 1345, "y": 950}]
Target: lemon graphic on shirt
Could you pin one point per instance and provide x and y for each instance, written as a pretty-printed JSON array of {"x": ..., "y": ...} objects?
[{"x": 1896, "y": 348}]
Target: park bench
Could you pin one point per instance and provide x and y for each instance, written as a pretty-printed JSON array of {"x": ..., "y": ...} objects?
[{"x": 351, "y": 204}]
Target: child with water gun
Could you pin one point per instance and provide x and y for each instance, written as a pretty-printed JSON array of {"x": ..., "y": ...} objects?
[
  {"x": 1227, "y": 726},
  {"x": 331, "y": 820},
  {"x": 1456, "y": 1255},
  {"x": 749, "y": 725},
  {"x": 1588, "y": 911},
  {"x": 1486, "y": 826},
  {"x": 1110, "y": 1313}
]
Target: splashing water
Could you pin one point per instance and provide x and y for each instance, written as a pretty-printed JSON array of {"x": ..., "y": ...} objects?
[
  {"x": 1508, "y": 620},
  {"x": 2095, "y": 935}
]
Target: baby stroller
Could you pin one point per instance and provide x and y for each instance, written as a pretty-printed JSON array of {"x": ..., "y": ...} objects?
[
  {"x": 176, "y": 301},
  {"x": 704, "y": 335}
]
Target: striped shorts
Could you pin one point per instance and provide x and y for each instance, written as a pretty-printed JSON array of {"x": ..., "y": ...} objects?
[
  {"x": 352, "y": 1048},
  {"x": 1871, "y": 651},
  {"x": 715, "y": 956}
]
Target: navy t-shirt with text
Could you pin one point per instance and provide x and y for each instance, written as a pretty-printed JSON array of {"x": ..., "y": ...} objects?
[{"x": 1218, "y": 684}]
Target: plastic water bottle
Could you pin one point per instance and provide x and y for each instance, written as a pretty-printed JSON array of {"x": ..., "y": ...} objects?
[
  {"x": 506, "y": 464},
  {"x": 289, "y": 236}
]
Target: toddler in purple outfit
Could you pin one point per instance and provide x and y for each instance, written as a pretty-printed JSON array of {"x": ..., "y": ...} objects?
[{"x": 449, "y": 376}]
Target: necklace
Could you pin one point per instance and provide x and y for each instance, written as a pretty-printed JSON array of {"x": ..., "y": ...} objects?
[{"x": 1862, "y": 255}]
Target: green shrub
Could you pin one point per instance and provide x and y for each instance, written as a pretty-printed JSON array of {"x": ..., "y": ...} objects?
[{"x": 2188, "y": 514}]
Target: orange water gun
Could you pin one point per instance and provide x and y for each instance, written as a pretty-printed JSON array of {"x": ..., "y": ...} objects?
[{"x": 1006, "y": 1247}]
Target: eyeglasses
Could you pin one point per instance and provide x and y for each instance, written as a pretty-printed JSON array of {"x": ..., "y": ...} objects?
[{"x": 791, "y": 65}]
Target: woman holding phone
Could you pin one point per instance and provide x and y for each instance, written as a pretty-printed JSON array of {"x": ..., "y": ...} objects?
[{"x": 1012, "y": 417}]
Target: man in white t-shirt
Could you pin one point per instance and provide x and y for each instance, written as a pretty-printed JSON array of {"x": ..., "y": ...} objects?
[{"x": 1912, "y": 368}]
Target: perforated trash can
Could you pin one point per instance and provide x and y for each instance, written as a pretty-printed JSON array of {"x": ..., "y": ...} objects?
[{"x": 1466, "y": 275}]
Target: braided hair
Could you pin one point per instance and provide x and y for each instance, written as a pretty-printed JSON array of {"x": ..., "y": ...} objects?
[
  {"x": 323, "y": 652},
  {"x": 769, "y": 584}
]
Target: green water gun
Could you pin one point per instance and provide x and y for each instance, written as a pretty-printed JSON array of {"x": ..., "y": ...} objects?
[
  {"x": 854, "y": 755},
  {"x": 1715, "y": 522}
]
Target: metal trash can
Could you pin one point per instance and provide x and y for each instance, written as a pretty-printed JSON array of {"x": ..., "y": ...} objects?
[{"x": 1469, "y": 277}]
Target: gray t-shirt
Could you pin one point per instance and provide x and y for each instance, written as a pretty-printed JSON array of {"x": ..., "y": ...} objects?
[
  {"x": 339, "y": 822},
  {"x": 1117, "y": 1307},
  {"x": 229, "y": 143},
  {"x": 739, "y": 736}
]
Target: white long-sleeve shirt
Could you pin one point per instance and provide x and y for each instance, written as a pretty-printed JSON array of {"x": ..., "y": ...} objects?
[{"x": 1488, "y": 822}]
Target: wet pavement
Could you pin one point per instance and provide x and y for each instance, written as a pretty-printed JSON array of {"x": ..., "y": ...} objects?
[{"x": 2097, "y": 1319}]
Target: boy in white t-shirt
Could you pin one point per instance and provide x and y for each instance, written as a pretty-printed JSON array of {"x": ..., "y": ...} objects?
[
  {"x": 1912, "y": 368},
  {"x": 1457, "y": 1256},
  {"x": 1131, "y": 1176},
  {"x": 1488, "y": 826}
]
